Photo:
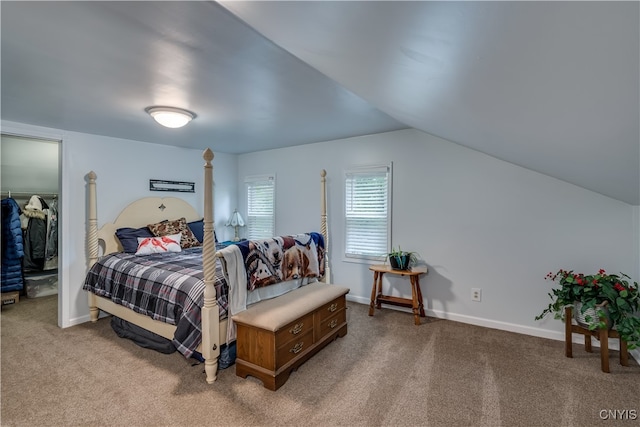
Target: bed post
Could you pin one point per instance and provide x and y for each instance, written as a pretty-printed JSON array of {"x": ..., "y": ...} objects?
[
  {"x": 92, "y": 240},
  {"x": 323, "y": 224},
  {"x": 210, "y": 312}
]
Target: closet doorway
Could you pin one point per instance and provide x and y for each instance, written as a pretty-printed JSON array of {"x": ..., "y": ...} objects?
[{"x": 30, "y": 183}]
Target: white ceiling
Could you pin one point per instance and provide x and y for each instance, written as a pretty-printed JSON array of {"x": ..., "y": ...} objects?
[
  {"x": 95, "y": 66},
  {"x": 551, "y": 86}
]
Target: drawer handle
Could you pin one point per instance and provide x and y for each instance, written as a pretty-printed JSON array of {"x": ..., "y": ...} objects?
[
  {"x": 333, "y": 323},
  {"x": 296, "y": 329},
  {"x": 297, "y": 348},
  {"x": 333, "y": 307}
]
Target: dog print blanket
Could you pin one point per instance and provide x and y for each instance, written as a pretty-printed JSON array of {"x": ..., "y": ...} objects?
[{"x": 270, "y": 261}]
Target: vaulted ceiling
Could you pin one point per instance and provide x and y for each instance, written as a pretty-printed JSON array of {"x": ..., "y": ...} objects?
[{"x": 550, "y": 86}]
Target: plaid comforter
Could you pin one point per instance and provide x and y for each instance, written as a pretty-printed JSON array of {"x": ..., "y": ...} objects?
[{"x": 168, "y": 287}]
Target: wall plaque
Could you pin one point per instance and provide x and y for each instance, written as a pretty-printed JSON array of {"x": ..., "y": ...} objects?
[{"x": 181, "y": 187}]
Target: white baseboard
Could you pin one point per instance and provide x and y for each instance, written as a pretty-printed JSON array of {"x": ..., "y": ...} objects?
[
  {"x": 79, "y": 320},
  {"x": 503, "y": 326},
  {"x": 85, "y": 319}
]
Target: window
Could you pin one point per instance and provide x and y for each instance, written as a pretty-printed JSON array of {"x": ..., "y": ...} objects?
[
  {"x": 368, "y": 213},
  {"x": 260, "y": 206}
]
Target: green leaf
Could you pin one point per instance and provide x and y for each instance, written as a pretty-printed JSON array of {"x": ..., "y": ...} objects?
[
  {"x": 610, "y": 293},
  {"x": 622, "y": 304}
]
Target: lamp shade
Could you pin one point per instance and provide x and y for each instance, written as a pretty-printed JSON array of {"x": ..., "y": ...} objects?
[
  {"x": 170, "y": 117},
  {"x": 236, "y": 220}
]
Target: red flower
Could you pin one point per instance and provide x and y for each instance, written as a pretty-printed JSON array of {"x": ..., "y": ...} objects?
[
  {"x": 618, "y": 287},
  {"x": 601, "y": 272}
]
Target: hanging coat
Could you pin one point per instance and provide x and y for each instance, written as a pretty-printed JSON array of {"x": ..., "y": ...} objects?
[
  {"x": 52, "y": 231},
  {"x": 51, "y": 249},
  {"x": 12, "y": 247},
  {"x": 35, "y": 236}
]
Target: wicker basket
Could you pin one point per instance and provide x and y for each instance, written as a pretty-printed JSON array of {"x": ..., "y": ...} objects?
[{"x": 580, "y": 317}]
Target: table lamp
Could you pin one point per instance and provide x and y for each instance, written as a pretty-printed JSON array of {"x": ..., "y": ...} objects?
[{"x": 235, "y": 221}]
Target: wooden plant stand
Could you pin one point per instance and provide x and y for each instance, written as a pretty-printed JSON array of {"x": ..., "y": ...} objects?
[
  {"x": 415, "y": 303},
  {"x": 602, "y": 334}
]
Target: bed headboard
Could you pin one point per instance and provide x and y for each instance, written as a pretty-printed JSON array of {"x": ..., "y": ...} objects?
[{"x": 142, "y": 212}]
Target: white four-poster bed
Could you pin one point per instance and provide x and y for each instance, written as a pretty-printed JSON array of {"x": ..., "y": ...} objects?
[{"x": 155, "y": 209}]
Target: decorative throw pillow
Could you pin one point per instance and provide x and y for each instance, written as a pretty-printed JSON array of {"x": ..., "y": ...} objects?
[
  {"x": 174, "y": 227},
  {"x": 197, "y": 227},
  {"x": 154, "y": 245},
  {"x": 129, "y": 237}
]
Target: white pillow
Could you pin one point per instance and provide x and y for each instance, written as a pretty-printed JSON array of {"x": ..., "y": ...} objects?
[{"x": 154, "y": 245}]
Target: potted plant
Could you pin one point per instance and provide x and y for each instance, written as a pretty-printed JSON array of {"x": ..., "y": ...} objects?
[
  {"x": 612, "y": 297},
  {"x": 401, "y": 260}
]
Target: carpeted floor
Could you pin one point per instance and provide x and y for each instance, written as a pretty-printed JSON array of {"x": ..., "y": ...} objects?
[{"x": 385, "y": 372}]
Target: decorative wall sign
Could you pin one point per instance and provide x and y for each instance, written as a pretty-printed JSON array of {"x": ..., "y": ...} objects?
[{"x": 181, "y": 187}]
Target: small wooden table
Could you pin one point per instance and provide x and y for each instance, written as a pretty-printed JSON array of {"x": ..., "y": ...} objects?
[
  {"x": 602, "y": 334},
  {"x": 415, "y": 303}
]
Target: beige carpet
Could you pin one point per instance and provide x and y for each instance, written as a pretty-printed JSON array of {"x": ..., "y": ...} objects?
[{"x": 386, "y": 371}]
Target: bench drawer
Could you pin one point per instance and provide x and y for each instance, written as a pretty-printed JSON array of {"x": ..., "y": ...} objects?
[
  {"x": 331, "y": 308},
  {"x": 294, "y": 347},
  {"x": 332, "y": 322},
  {"x": 294, "y": 330}
]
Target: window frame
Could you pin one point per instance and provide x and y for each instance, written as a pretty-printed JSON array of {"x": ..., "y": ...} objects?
[{"x": 368, "y": 169}]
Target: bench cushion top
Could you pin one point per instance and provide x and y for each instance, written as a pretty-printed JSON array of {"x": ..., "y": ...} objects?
[{"x": 273, "y": 314}]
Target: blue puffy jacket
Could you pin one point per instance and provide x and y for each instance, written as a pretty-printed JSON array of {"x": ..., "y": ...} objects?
[{"x": 12, "y": 247}]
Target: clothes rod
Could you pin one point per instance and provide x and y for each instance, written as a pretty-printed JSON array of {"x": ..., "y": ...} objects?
[{"x": 27, "y": 194}]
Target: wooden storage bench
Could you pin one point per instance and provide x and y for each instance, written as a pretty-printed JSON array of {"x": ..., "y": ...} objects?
[{"x": 276, "y": 336}]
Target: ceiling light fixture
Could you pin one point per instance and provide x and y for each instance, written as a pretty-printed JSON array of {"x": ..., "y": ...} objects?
[{"x": 170, "y": 117}]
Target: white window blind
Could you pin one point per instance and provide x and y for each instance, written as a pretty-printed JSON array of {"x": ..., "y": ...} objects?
[
  {"x": 260, "y": 206},
  {"x": 368, "y": 212}
]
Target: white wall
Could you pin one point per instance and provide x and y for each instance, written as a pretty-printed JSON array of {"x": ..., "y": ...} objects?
[
  {"x": 475, "y": 220},
  {"x": 123, "y": 169},
  {"x": 29, "y": 166}
]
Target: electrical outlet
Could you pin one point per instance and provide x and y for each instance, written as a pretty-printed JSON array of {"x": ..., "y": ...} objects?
[{"x": 476, "y": 294}]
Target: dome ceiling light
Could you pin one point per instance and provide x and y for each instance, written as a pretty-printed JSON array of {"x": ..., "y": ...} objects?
[{"x": 170, "y": 117}]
